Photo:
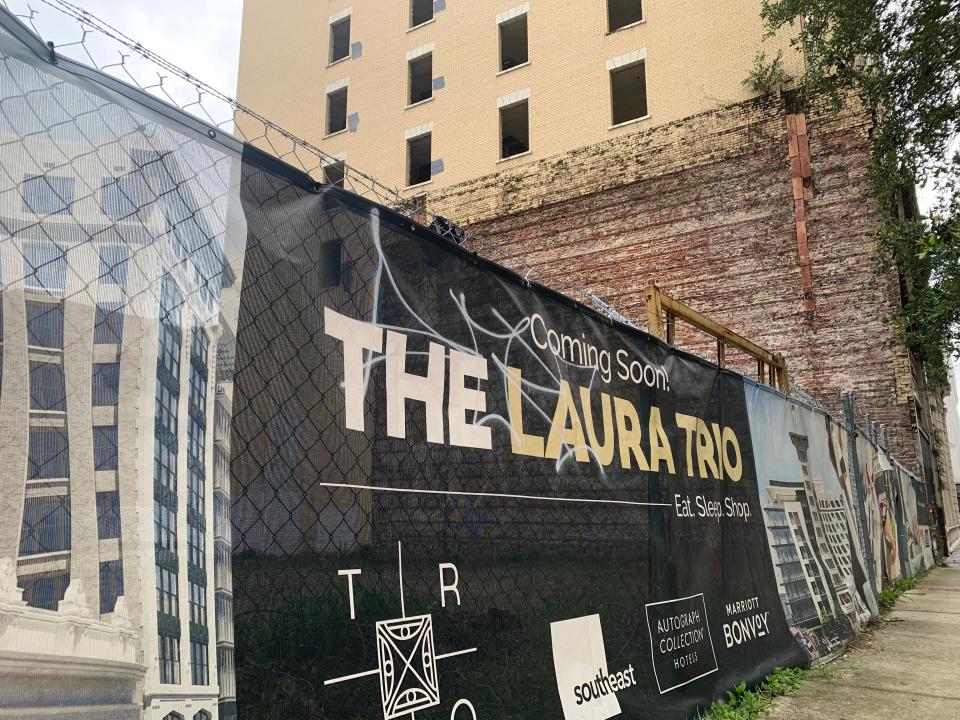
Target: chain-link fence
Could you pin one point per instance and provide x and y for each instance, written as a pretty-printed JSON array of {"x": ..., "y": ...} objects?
[
  {"x": 118, "y": 257},
  {"x": 122, "y": 257},
  {"x": 177, "y": 462},
  {"x": 96, "y": 42}
]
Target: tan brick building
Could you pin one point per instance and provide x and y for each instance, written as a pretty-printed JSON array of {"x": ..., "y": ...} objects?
[
  {"x": 466, "y": 74},
  {"x": 603, "y": 144}
]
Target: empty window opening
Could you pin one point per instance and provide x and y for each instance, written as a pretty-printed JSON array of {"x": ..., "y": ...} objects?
[
  {"x": 44, "y": 265},
  {"x": 108, "y": 329},
  {"x": 336, "y": 111},
  {"x": 621, "y": 13},
  {"x": 421, "y": 78},
  {"x": 330, "y": 261},
  {"x": 44, "y": 324},
  {"x": 106, "y": 384},
  {"x": 48, "y": 194},
  {"x": 421, "y": 11},
  {"x": 334, "y": 173},
  {"x": 46, "y": 590},
  {"x": 111, "y": 584},
  {"x": 514, "y": 129},
  {"x": 47, "y": 386},
  {"x": 418, "y": 159},
  {"x": 108, "y": 511},
  {"x": 340, "y": 39},
  {"x": 105, "y": 447},
  {"x": 513, "y": 42},
  {"x": 628, "y": 86},
  {"x": 46, "y": 525}
]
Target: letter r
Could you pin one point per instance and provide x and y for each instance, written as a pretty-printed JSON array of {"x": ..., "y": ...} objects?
[{"x": 452, "y": 587}]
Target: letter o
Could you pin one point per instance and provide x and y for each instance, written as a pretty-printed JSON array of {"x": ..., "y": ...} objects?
[
  {"x": 635, "y": 365},
  {"x": 456, "y": 706},
  {"x": 653, "y": 376},
  {"x": 732, "y": 471},
  {"x": 551, "y": 336}
]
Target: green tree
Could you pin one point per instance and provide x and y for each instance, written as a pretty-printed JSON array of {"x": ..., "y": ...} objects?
[{"x": 901, "y": 58}]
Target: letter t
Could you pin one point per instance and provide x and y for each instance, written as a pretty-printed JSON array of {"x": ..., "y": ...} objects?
[{"x": 356, "y": 337}]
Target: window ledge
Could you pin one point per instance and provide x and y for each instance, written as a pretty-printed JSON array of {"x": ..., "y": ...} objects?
[
  {"x": 514, "y": 157},
  {"x": 423, "y": 24},
  {"x": 32, "y": 482},
  {"x": 337, "y": 62},
  {"x": 51, "y": 555},
  {"x": 418, "y": 185},
  {"x": 419, "y": 102},
  {"x": 627, "y": 27},
  {"x": 334, "y": 134},
  {"x": 41, "y": 290},
  {"x": 515, "y": 67},
  {"x": 629, "y": 122}
]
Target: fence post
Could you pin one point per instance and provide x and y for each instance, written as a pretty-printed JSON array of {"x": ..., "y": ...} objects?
[
  {"x": 655, "y": 312},
  {"x": 849, "y": 421}
]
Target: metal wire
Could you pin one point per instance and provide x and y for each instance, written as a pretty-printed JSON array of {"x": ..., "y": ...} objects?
[
  {"x": 134, "y": 63},
  {"x": 228, "y": 115}
]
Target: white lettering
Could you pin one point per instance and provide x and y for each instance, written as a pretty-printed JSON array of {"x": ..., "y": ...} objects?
[
  {"x": 403, "y": 386},
  {"x": 464, "y": 703},
  {"x": 444, "y": 587},
  {"x": 533, "y": 334},
  {"x": 356, "y": 337},
  {"x": 464, "y": 399},
  {"x": 349, "y": 575}
]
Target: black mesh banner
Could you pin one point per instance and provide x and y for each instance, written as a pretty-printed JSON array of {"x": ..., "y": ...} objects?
[
  {"x": 271, "y": 450},
  {"x": 456, "y": 495}
]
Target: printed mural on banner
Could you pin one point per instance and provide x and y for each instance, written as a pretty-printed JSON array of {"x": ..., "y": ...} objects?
[
  {"x": 576, "y": 503},
  {"x": 881, "y": 525},
  {"x": 805, "y": 491},
  {"x": 917, "y": 550},
  {"x": 897, "y": 516}
]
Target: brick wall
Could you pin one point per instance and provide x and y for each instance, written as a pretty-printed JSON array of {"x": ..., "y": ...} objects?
[{"x": 705, "y": 207}]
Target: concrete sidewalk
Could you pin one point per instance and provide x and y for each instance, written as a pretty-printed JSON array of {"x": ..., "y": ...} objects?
[{"x": 908, "y": 667}]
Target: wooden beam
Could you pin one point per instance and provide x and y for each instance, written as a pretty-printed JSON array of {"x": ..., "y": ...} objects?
[
  {"x": 654, "y": 312},
  {"x": 712, "y": 327},
  {"x": 771, "y": 367}
]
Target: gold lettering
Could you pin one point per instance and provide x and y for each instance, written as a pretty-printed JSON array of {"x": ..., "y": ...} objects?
[
  {"x": 659, "y": 443},
  {"x": 629, "y": 437},
  {"x": 520, "y": 442},
  {"x": 603, "y": 452},
  {"x": 561, "y": 432}
]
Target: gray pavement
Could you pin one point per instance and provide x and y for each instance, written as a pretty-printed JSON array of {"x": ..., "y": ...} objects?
[{"x": 907, "y": 667}]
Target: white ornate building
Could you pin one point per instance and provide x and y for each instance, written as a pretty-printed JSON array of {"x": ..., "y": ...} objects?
[{"x": 111, "y": 260}]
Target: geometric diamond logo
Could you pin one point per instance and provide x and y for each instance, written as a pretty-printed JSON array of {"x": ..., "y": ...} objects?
[
  {"x": 406, "y": 660},
  {"x": 408, "y": 668}
]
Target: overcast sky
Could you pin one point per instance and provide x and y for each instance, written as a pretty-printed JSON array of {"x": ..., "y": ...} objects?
[{"x": 200, "y": 36}]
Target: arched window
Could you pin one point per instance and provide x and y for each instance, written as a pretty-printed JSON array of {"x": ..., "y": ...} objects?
[
  {"x": 173, "y": 716},
  {"x": 202, "y": 715}
]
